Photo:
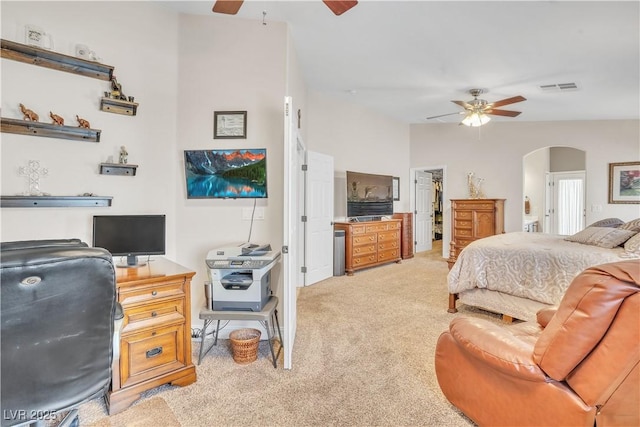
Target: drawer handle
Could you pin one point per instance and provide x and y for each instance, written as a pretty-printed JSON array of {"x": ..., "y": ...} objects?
[
  {"x": 154, "y": 352},
  {"x": 154, "y": 314},
  {"x": 154, "y": 293}
]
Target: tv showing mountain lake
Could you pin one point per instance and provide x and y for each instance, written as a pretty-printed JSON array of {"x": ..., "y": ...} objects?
[{"x": 226, "y": 174}]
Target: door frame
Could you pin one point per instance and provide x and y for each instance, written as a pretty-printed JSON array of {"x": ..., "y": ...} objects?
[{"x": 446, "y": 205}]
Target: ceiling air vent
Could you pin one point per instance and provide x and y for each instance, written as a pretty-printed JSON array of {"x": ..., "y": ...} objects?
[{"x": 558, "y": 87}]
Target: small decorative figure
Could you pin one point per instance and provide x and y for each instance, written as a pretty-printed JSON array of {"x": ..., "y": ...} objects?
[
  {"x": 475, "y": 187},
  {"x": 123, "y": 155},
  {"x": 33, "y": 172},
  {"x": 83, "y": 123},
  {"x": 29, "y": 114},
  {"x": 116, "y": 90},
  {"x": 57, "y": 120}
]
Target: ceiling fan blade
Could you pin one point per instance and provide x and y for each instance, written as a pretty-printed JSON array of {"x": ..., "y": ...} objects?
[
  {"x": 229, "y": 7},
  {"x": 463, "y": 104},
  {"x": 502, "y": 113},
  {"x": 442, "y": 115},
  {"x": 339, "y": 7},
  {"x": 507, "y": 101}
]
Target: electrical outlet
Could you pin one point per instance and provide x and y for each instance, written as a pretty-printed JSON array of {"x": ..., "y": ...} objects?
[
  {"x": 596, "y": 208},
  {"x": 259, "y": 215}
]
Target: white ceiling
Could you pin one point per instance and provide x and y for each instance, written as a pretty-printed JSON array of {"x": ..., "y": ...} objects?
[{"x": 409, "y": 59}]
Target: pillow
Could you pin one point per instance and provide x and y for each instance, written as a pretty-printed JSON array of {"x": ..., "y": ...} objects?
[
  {"x": 608, "y": 222},
  {"x": 633, "y": 244},
  {"x": 604, "y": 237},
  {"x": 633, "y": 225}
]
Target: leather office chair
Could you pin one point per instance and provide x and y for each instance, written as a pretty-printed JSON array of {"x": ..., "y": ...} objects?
[
  {"x": 57, "y": 328},
  {"x": 576, "y": 366}
]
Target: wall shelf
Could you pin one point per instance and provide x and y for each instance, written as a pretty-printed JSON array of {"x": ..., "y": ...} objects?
[
  {"x": 57, "y": 61},
  {"x": 118, "y": 106},
  {"x": 26, "y": 127},
  {"x": 54, "y": 201},
  {"x": 118, "y": 169}
]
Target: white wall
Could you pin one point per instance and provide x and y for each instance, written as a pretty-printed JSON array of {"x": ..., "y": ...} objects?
[
  {"x": 359, "y": 140},
  {"x": 140, "y": 41},
  {"x": 495, "y": 152}
]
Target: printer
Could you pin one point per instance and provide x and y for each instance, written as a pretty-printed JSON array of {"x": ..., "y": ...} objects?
[{"x": 240, "y": 276}]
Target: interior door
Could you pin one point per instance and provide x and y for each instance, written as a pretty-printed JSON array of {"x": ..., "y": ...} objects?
[
  {"x": 290, "y": 231},
  {"x": 423, "y": 212},
  {"x": 319, "y": 213},
  {"x": 567, "y": 202}
]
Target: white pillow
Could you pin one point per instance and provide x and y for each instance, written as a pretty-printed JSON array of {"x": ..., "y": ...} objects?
[
  {"x": 603, "y": 237},
  {"x": 633, "y": 244},
  {"x": 608, "y": 222},
  {"x": 633, "y": 225}
]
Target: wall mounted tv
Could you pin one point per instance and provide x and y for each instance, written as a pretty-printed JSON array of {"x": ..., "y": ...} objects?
[
  {"x": 369, "y": 195},
  {"x": 226, "y": 174},
  {"x": 130, "y": 236}
]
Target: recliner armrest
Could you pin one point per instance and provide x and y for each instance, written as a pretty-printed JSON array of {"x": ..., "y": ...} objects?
[
  {"x": 544, "y": 316},
  {"x": 497, "y": 347}
]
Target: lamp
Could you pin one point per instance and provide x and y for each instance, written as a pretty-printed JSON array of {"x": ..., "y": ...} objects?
[{"x": 475, "y": 119}]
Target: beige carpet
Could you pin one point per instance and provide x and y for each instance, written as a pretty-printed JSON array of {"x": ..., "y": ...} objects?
[{"x": 363, "y": 356}]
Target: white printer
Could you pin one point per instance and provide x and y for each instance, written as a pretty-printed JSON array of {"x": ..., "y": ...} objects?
[{"x": 241, "y": 276}]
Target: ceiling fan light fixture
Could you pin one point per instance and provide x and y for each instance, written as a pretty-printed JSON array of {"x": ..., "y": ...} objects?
[{"x": 475, "y": 119}]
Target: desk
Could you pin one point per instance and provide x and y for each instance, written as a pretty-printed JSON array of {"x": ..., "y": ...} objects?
[{"x": 267, "y": 314}]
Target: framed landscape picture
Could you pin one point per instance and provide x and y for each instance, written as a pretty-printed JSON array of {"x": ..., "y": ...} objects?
[{"x": 624, "y": 182}]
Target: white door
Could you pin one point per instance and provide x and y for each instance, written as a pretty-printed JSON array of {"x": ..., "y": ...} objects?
[
  {"x": 290, "y": 232},
  {"x": 567, "y": 202},
  {"x": 423, "y": 212},
  {"x": 319, "y": 213}
]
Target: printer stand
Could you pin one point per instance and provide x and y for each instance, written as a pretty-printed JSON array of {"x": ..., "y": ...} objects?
[{"x": 268, "y": 314}]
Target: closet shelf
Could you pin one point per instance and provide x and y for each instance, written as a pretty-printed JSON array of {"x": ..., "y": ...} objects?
[
  {"x": 26, "y": 127},
  {"x": 54, "y": 201},
  {"x": 57, "y": 61}
]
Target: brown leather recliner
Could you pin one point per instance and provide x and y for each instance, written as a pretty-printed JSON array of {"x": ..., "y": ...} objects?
[{"x": 577, "y": 366}]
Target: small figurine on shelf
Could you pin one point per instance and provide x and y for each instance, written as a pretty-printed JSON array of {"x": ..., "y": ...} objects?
[
  {"x": 83, "y": 123},
  {"x": 123, "y": 155},
  {"x": 29, "y": 114},
  {"x": 116, "y": 90},
  {"x": 57, "y": 120}
]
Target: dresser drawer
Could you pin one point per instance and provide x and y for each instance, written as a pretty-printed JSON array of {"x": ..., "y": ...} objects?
[
  {"x": 145, "y": 294},
  {"x": 153, "y": 315},
  {"x": 462, "y": 215},
  {"x": 361, "y": 260},
  {"x": 389, "y": 244},
  {"x": 462, "y": 223},
  {"x": 365, "y": 238},
  {"x": 148, "y": 354},
  {"x": 462, "y": 232},
  {"x": 475, "y": 206},
  {"x": 387, "y": 236},
  {"x": 374, "y": 228},
  {"x": 358, "y": 229},
  {"x": 388, "y": 254},
  {"x": 364, "y": 249}
]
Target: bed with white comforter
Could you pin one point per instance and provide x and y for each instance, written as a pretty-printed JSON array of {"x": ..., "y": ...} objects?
[{"x": 516, "y": 274}]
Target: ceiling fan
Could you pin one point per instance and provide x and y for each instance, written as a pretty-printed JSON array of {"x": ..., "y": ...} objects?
[
  {"x": 478, "y": 110},
  {"x": 231, "y": 7}
]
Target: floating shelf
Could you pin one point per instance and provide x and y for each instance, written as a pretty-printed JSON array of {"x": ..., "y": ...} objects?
[
  {"x": 26, "y": 127},
  {"x": 118, "y": 169},
  {"x": 57, "y": 61},
  {"x": 54, "y": 201},
  {"x": 118, "y": 106}
]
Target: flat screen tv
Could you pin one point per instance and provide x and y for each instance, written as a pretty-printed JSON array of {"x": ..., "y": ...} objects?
[
  {"x": 130, "y": 236},
  {"x": 369, "y": 195},
  {"x": 226, "y": 174}
]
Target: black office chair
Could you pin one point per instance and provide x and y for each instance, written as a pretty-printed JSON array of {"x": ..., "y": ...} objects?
[{"x": 57, "y": 328}]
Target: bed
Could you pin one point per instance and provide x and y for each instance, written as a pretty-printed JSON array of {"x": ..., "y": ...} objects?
[{"x": 516, "y": 274}]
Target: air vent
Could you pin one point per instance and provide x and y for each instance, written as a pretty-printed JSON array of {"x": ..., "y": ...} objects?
[{"x": 559, "y": 87}]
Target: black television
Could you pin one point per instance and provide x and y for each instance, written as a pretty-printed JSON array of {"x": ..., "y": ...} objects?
[
  {"x": 130, "y": 236},
  {"x": 226, "y": 174},
  {"x": 369, "y": 196}
]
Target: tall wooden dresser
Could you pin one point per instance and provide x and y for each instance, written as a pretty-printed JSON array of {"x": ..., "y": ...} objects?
[
  {"x": 406, "y": 233},
  {"x": 155, "y": 341},
  {"x": 370, "y": 243},
  {"x": 473, "y": 219}
]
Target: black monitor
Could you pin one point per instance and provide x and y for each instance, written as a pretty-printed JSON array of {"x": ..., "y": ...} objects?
[{"x": 130, "y": 236}]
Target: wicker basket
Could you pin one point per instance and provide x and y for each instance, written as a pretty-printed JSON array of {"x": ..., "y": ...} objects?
[{"x": 244, "y": 344}]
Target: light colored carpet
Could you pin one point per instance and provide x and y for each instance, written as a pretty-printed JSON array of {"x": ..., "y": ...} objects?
[{"x": 363, "y": 356}]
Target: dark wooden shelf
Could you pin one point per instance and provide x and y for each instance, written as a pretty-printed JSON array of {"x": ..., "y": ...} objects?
[
  {"x": 57, "y": 61},
  {"x": 118, "y": 106},
  {"x": 27, "y": 127},
  {"x": 54, "y": 201},
  {"x": 118, "y": 169}
]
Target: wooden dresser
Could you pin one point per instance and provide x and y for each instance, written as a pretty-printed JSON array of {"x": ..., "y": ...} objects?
[
  {"x": 473, "y": 219},
  {"x": 370, "y": 243},
  {"x": 155, "y": 342},
  {"x": 406, "y": 234}
]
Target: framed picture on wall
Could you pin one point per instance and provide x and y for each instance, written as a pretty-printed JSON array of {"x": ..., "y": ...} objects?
[
  {"x": 229, "y": 124},
  {"x": 396, "y": 188},
  {"x": 624, "y": 182}
]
